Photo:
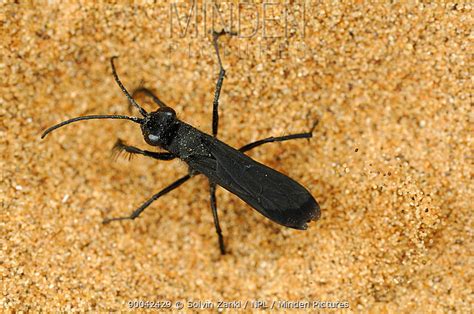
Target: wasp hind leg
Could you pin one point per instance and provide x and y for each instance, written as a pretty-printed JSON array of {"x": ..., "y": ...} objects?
[{"x": 212, "y": 187}]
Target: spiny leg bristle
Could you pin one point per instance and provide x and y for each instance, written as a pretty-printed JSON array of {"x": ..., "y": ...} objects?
[{"x": 120, "y": 148}]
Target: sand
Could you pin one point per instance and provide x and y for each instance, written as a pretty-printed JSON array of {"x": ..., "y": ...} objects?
[{"x": 390, "y": 162}]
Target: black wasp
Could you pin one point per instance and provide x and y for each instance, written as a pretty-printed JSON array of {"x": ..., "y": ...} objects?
[{"x": 271, "y": 193}]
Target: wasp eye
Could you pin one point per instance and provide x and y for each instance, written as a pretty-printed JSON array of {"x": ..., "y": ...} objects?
[
  {"x": 167, "y": 112},
  {"x": 153, "y": 138}
]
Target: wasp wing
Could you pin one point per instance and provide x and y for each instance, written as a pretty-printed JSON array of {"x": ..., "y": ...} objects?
[{"x": 273, "y": 194}]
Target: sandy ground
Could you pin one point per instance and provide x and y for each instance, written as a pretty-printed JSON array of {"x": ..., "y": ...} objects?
[{"x": 390, "y": 162}]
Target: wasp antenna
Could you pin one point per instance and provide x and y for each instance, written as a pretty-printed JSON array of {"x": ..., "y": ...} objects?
[
  {"x": 124, "y": 90},
  {"x": 98, "y": 117}
]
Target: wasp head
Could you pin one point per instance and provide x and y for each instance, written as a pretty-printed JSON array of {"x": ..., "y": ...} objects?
[{"x": 158, "y": 127}]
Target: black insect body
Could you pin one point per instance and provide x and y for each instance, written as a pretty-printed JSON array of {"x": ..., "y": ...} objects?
[{"x": 273, "y": 194}]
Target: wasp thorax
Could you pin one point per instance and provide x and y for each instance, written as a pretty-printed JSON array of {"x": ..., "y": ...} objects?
[{"x": 158, "y": 127}]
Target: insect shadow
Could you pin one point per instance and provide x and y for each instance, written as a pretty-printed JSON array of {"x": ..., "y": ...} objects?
[{"x": 273, "y": 194}]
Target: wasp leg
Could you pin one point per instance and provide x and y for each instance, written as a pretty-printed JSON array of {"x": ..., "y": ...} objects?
[
  {"x": 140, "y": 209},
  {"x": 272, "y": 139},
  {"x": 220, "y": 81},
  {"x": 120, "y": 146},
  {"x": 149, "y": 93},
  {"x": 212, "y": 187}
]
